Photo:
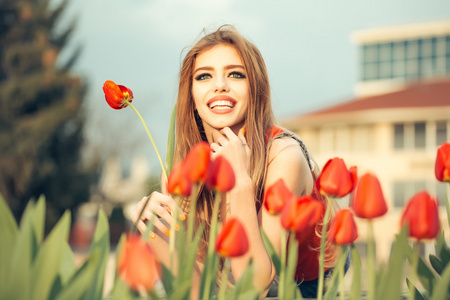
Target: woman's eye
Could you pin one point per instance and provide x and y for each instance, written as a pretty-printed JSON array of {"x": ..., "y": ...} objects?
[
  {"x": 203, "y": 76},
  {"x": 236, "y": 75}
]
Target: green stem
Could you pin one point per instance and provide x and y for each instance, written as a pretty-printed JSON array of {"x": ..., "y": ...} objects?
[
  {"x": 151, "y": 139},
  {"x": 370, "y": 261},
  {"x": 224, "y": 283},
  {"x": 282, "y": 284},
  {"x": 341, "y": 274},
  {"x": 209, "y": 267},
  {"x": 172, "y": 238},
  {"x": 191, "y": 215},
  {"x": 322, "y": 252},
  {"x": 414, "y": 264}
]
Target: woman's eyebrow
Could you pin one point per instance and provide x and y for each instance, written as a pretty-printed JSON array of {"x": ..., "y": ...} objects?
[{"x": 227, "y": 67}]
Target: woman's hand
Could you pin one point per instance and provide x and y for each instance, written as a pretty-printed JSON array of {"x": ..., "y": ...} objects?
[
  {"x": 235, "y": 149},
  {"x": 159, "y": 209}
]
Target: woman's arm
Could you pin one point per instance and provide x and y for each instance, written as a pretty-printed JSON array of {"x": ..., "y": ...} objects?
[{"x": 286, "y": 161}]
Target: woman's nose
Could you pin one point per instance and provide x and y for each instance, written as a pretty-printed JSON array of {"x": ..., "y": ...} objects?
[{"x": 221, "y": 85}]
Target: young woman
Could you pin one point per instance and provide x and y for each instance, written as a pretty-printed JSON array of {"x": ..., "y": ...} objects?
[{"x": 224, "y": 89}]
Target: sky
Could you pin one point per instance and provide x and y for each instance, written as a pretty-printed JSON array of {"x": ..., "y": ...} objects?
[{"x": 307, "y": 46}]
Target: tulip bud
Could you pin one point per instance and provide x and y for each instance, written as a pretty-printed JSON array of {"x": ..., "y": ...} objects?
[
  {"x": 137, "y": 265},
  {"x": 117, "y": 96},
  {"x": 301, "y": 213},
  {"x": 196, "y": 163},
  {"x": 232, "y": 240},
  {"x": 368, "y": 201},
  {"x": 343, "y": 229},
  {"x": 335, "y": 180},
  {"x": 177, "y": 183},
  {"x": 442, "y": 165},
  {"x": 422, "y": 216},
  {"x": 276, "y": 196},
  {"x": 221, "y": 175}
]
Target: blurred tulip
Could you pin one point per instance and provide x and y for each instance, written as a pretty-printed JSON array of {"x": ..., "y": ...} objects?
[
  {"x": 343, "y": 229},
  {"x": 197, "y": 161},
  {"x": 336, "y": 180},
  {"x": 221, "y": 175},
  {"x": 232, "y": 240},
  {"x": 117, "y": 96},
  {"x": 368, "y": 201},
  {"x": 137, "y": 265},
  {"x": 442, "y": 166},
  {"x": 301, "y": 213},
  {"x": 422, "y": 216},
  {"x": 177, "y": 183},
  {"x": 276, "y": 196}
]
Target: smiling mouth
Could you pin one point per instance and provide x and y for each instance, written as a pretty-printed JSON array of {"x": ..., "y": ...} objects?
[{"x": 221, "y": 104}]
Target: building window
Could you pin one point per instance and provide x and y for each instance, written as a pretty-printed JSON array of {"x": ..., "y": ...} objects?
[
  {"x": 405, "y": 190},
  {"x": 441, "y": 132},
  {"x": 399, "y": 136},
  {"x": 408, "y": 59},
  {"x": 410, "y": 136},
  {"x": 419, "y": 135}
]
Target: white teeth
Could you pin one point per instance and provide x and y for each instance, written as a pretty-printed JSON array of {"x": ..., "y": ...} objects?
[{"x": 222, "y": 104}]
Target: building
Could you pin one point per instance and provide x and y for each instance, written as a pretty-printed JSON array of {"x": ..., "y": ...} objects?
[{"x": 394, "y": 125}]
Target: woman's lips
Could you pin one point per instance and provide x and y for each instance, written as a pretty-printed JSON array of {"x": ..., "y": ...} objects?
[{"x": 221, "y": 104}]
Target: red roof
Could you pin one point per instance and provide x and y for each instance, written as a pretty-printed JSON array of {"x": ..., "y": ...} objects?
[{"x": 420, "y": 94}]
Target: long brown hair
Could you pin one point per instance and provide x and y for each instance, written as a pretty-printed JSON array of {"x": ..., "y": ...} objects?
[{"x": 259, "y": 117}]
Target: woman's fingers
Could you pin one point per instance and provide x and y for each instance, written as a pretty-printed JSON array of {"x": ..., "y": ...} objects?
[{"x": 159, "y": 209}]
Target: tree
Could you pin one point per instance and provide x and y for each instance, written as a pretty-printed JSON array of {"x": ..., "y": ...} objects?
[{"x": 41, "y": 115}]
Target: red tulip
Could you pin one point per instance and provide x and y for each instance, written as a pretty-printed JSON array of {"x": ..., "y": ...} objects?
[
  {"x": 117, "y": 96},
  {"x": 422, "y": 216},
  {"x": 177, "y": 183},
  {"x": 368, "y": 201},
  {"x": 335, "y": 180},
  {"x": 197, "y": 161},
  {"x": 343, "y": 229},
  {"x": 442, "y": 166},
  {"x": 232, "y": 240},
  {"x": 276, "y": 196},
  {"x": 301, "y": 213},
  {"x": 221, "y": 175},
  {"x": 137, "y": 265}
]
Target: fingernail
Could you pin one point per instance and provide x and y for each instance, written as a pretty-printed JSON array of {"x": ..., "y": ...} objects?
[
  {"x": 177, "y": 227},
  {"x": 152, "y": 235},
  {"x": 168, "y": 232},
  {"x": 182, "y": 217}
]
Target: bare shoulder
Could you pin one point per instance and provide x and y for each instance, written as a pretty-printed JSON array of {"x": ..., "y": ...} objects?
[{"x": 287, "y": 160}]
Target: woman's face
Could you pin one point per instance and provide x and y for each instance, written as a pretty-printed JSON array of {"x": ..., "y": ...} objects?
[{"x": 220, "y": 88}]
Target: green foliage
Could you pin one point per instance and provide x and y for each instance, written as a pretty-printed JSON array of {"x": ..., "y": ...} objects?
[
  {"x": 34, "y": 267},
  {"x": 41, "y": 119}
]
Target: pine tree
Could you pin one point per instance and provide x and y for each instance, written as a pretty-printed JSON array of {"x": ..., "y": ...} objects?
[{"x": 41, "y": 116}]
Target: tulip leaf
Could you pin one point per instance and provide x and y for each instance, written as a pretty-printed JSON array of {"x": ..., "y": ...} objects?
[
  {"x": 272, "y": 253},
  {"x": 290, "y": 286},
  {"x": 82, "y": 279},
  {"x": 333, "y": 283},
  {"x": 442, "y": 249},
  {"x": 25, "y": 247},
  {"x": 38, "y": 222},
  {"x": 100, "y": 241},
  {"x": 181, "y": 292},
  {"x": 48, "y": 260},
  {"x": 417, "y": 294},
  {"x": 8, "y": 233},
  {"x": 171, "y": 141},
  {"x": 436, "y": 263},
  {"x": 245, "y": 283},
  {"x": 441, "y": 290},
  {"x": 390, "y": 285},
  {"x": 355, "y": 289},
  {"x": 121, "y": 291},
  {"x": 426, "y": 276},
  {"x": 167, "y": 279}
]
